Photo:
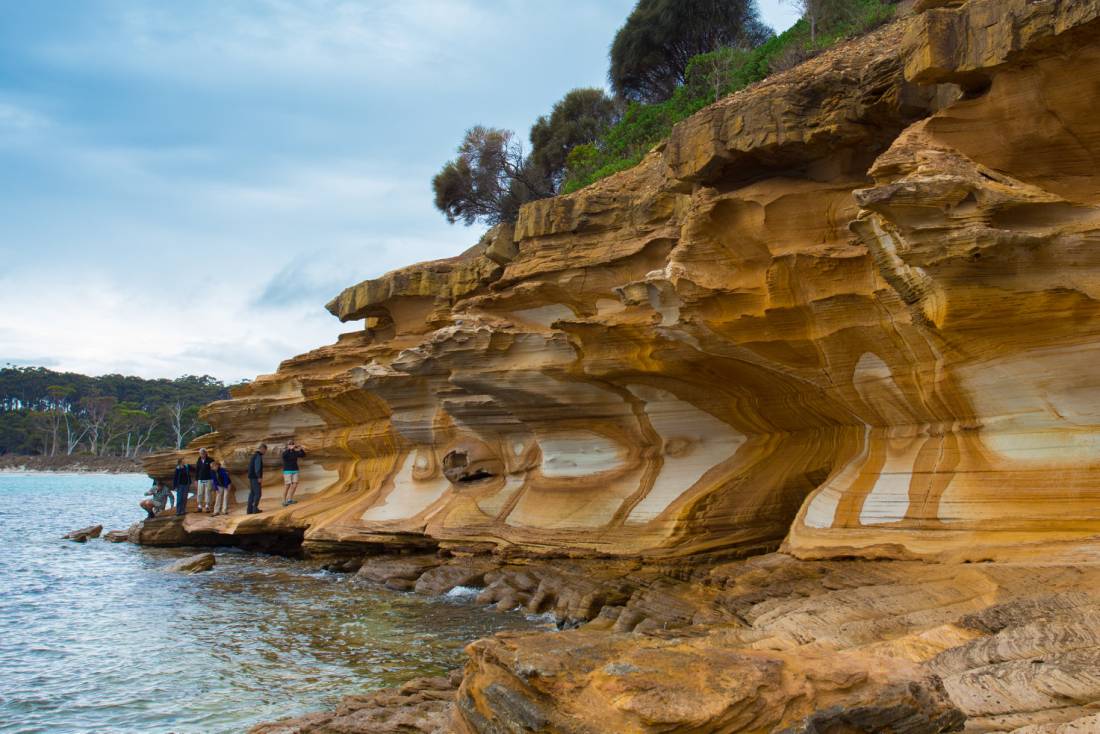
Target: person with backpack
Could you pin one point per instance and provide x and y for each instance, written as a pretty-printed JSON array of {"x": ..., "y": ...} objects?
[
  {"x": 222, "y": 487},
  {"x": 256, "y": 479},
  {"x": 181, "y": 482}
]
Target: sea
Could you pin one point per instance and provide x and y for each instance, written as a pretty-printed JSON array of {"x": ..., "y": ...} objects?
[{"x": 97, "y": 637}]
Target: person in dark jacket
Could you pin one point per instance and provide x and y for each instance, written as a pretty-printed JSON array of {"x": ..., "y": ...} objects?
[
  {"x": 222, "y": 487},
  {"x": 293, "y": 452},
  {"x": 181, "y": 482},
  {"x": 256, "y": 479},
  {"x": 204, "y": 480}
]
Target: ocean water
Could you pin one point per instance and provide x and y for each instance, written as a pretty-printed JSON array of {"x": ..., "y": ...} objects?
[{"x": 96, "y": 637}]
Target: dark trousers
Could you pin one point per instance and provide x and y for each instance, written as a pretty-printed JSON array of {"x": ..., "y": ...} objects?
[
  {"x": 253, "y": 495},
  {"x": 181, "y": 500}
]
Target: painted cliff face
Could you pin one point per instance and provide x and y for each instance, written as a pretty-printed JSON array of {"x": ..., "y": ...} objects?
[{"x": 859, "y": 297}]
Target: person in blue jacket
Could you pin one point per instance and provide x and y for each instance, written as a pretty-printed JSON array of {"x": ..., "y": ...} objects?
[
  {"x": 181, "y": 482},
  {"x": 222, "y": 487}
]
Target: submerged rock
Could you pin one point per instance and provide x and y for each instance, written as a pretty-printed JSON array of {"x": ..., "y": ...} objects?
[
  {"x": 350, "y": 565},
  {"x": 82, "y": 535},
  {"x": 397, "y": 572},
  {"x": 421, "y": 706},
  {"x": 458, "y": 572},
  {"x": 193, "y": 564}
]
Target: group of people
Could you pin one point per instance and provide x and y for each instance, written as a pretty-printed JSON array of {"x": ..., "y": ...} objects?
[{"x": 212, "y": 483}]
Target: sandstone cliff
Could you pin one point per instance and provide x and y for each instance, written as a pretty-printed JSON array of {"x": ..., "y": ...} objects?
[{"x": 851, "y": 310}]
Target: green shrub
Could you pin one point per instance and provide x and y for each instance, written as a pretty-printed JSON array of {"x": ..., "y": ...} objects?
[{"x": 708, "y": 77}]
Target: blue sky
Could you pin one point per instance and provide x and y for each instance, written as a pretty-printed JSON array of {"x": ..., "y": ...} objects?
[{"x": 184, "y": 185}]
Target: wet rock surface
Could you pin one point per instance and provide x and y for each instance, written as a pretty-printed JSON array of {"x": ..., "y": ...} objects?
[
  {"x": 771, "y": 643},
  {"x": 193, "y": 564},
  {"x": 83, "y": 534},
  {"x": 421, "y": 706}
]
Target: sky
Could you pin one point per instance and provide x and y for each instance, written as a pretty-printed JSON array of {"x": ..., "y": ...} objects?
[{"x": 184, "y": 185}]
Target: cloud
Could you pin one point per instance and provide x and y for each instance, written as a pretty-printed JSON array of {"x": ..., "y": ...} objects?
[
  {"x": 209, "y": 42},
  {"x": 97, "y": 327},
  {"x": 29, "y": 362},
  {"x": 302, "y": 281},
  {"x": 15, "y": 118},
  {"x": 184, "y": 185}
]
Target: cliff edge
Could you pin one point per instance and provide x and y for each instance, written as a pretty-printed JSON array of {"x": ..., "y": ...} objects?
[{"x": 851, "y": 307}]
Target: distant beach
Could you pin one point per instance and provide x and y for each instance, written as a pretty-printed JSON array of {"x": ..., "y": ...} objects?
[{"x": 75, "y": 464}]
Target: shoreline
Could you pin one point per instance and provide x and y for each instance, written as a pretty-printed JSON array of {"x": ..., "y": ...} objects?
[
  {"x": 68, "y": 465},
  {"x": 17, "y": 472}
]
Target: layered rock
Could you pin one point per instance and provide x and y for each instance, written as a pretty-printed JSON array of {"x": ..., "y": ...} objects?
[
  {"x": 866, "y": 283},
  {"x": 850, "y": 311},
  {"x": 771, "y": 644}
]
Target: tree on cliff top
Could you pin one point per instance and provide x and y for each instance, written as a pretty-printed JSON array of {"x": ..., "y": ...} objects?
[
  {"x": 578, "y": 118},
  {"x": 489, "y": 180},
  {"x": 650, "y": 53}
]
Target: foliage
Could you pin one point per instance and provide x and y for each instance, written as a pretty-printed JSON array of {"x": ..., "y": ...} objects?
[
  {"x": 829, "y": 16},
  {"x": 711, "y": 76},
  {"x": 489, "y": 180},
  {"x": 651, "y": 52},
  {"x": 42, "y": 411},
  {"x": 578, "y": 118},
  {"x": 641, "y": 127}
]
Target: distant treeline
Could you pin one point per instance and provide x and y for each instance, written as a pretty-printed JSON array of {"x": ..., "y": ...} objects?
[{"x": 63, "y": 413}]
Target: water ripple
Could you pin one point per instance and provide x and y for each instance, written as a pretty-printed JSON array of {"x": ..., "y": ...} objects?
[{"x": 96, "y": 637}]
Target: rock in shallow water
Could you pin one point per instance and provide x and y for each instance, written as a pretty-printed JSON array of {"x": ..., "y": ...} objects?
[
  {"x": 421, "y": 706},
  {"x": 84, "y": 534},
  {"x": 193, "y": 564},
  {"x": 117, "y": 536},
  {"x": 397, "y": 572}
]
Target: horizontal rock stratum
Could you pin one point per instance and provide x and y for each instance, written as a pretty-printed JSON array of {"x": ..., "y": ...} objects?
[{"x": 851, "y": 313}]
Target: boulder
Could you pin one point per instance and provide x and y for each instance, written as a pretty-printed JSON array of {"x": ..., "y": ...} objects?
[
  {"x": 193, "y": 564},
  {"x": 83, "y": 534},
  {"x": 117, "y": 536},
  {"x": 420, "y": 706},
  {"x": 350, "y": 565},
  {"x": 166, "y": 530},
  {"x": 397, "y": 572},
  {"x": 459, "y": 572}
]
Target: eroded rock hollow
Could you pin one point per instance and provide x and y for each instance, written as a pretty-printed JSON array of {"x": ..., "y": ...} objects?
[{"x": 848, "y": 312}]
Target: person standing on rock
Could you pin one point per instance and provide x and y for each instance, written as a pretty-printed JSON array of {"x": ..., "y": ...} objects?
[
  {"x": 222, "y": 487},
  {"x": 204, "y": 476},
  {"x": 181, "y": 482},
  {"x": 256, "y": 479},
  {"x": 291, "y": 455}
]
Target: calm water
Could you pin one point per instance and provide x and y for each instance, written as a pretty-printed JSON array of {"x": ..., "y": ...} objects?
[{"x": 97, "y": 638}]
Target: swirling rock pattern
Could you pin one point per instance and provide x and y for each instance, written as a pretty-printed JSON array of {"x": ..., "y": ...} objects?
[
  {"x": 855, "y": 302},
  {"x": 850, "y": 312}
]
